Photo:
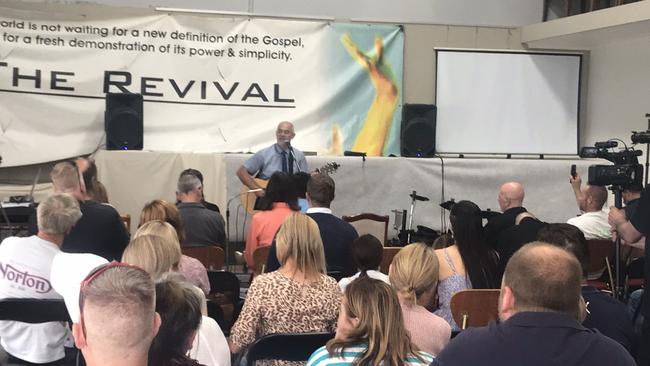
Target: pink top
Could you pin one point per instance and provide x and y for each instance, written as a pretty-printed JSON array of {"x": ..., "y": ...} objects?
[
  {"x": 263, "y": 227},
  {"x": 429, "y": 332},
  {"x": 195, "y": 273}
]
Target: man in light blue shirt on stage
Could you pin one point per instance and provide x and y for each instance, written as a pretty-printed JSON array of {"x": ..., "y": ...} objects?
[{"x": 280, "y": 156}]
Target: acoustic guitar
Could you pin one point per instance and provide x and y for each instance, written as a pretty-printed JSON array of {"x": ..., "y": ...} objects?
[{"x": 248, "y": 199}]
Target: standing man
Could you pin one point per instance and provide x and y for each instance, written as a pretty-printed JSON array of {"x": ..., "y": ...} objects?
[{"x": 280, "y": 156}]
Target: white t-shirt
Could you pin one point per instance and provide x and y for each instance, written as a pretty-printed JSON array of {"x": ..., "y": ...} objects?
[
  {"x": 593, "y": 224},
  {"x": 210, "y": 347},
  {"x": 344, "y": 282},
  {"x": 25, "y": 265}
]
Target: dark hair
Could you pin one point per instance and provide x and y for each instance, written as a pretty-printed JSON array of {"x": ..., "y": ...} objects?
[
  {"x": 180, "y": 311},
  {"x": 300, "y": 179},
  {"x": 193, "y": 172},
  {"x": 281, "y": 188},
  {"x": 90, "y": 175},
  {"x": 479, "y": 260},
  {"x": 367, "y": 252},
  {"x": 321, "y": 189},
  {"x": 568, "y": 237}
]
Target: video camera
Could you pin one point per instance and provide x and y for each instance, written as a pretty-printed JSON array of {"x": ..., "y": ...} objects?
[{"x": 626, "y": 173}]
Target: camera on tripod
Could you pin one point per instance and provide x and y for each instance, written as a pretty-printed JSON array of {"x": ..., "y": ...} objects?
[{"x": 626, "y": 173}]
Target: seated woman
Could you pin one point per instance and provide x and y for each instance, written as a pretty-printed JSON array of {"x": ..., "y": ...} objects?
[
  {"x": 367, "y": 253},
  {"x": 414, "y": 275},
  {"x": 370, "y": 330},
  {"x": 179, "y": 307},
  {"x": 279, "y": 201},
  {"x": 193, "y": 270},
  {"x": 298, "y": 297},
  {"x": 469, "y": 262}
]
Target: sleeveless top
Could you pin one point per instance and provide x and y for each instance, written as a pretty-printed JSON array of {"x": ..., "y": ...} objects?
[{"x": 447, "y": 288}]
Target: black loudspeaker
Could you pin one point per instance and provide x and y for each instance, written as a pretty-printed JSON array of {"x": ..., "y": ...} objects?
[
  {"x": 123, "y": 121},
  {"x": 418, "y": 136}
]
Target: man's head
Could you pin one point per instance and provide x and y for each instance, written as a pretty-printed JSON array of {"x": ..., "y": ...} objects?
[
  {"x": 511, "y": 195},
  {"x": 57, "y": 214},
  {"x": 118, "y": 319},
  {"x": 66, "y": 179},
  {"x": 595, "y": 198},
  {"x": 320, "y": 190},
  {"x": 284, "y": 133},
  {"x": 569, "y": 238},
  {"x": 540, "y": 277},
  {"x": 632, "y": 193},
  {"x": 189, "y": 189}
]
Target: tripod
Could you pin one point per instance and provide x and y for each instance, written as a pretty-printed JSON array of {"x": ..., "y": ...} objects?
[{"x": 618, "y": 286}]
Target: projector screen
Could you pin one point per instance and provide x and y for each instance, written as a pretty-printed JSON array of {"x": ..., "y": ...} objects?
[{"x": 507, "y": 102}]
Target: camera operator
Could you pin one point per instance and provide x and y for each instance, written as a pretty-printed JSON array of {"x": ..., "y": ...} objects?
[{"x": 631, "y": 231}]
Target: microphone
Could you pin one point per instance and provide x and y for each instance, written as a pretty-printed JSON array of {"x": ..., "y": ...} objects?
[
  {"x": 606, "y": 144},
  {"x": 354, "y": 153},
  {"x": 418, "y": 197}
]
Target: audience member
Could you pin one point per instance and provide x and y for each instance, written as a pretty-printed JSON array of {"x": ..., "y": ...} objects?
[
  {"x": 414, "y": 276},
  {"x": 367, "y": 253},
  {"x": 155, "y": 254},
  {"x": 118, "y": 319},
  {"x": 510, "y": 199},
  {"x": 604, "y": 313},
  {"x": 540, "y": 295},
  {"x": 95, "y": 190},
  {"x": 336, "y": 234},
  {"x": 100, "y": 230},
  {"x": 198, "y": 174},
  {"x": 180, "y": 311},
  {"x": 300, "y": 180},
  {"x": 298, "y": 297},
  {"x": 591, "y": 200},
  {"x": 278, "y": 202},
  {"x": 193, "y": 270},
  {"x": 25, "y": 265},
  {"x": 513, "y": 238},
  {"x": 370, "y": 330},
  {"x": 202, "y": 226},
  {"x": 469, "y": 262}
]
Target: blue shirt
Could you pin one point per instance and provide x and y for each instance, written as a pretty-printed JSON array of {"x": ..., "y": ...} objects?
[
  {"x": 269, "y": 160},
  {"x": 321, "y": 357}
]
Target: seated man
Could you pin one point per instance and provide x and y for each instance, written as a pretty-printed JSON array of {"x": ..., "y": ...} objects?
[
  {"x": 202, "y": 226},
  {"x": 513, "y": 238},
  {"x": 117, "y": 320},
  {"x": 538, "y": 307},
  {"x": 209, "y": 205},
  {"x": 604, "y": 313},
  {"x": 510, "y": 198},
  {"x": 337, "y": 235},
  {"x": 25, "y": 265},
  {"x": 591, "y": 199}
]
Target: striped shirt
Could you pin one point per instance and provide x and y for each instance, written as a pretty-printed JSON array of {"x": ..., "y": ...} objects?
[{"x": 321, "y": 357}]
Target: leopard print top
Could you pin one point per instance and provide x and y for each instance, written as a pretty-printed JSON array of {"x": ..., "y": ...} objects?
[{"x": 277, "y": 304}]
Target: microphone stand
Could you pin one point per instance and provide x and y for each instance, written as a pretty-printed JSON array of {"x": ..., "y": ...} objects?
[
  {"x": 228, "y": 224},
  {"x": 295, "y": 161}
]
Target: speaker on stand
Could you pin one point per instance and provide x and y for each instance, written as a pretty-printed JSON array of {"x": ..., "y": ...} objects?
[
  {"x": 418, "y": 135},
  {"x": 123, "y": 121}
]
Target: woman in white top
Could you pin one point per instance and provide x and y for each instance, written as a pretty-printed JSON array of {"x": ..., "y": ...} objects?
[{"x": 367, "y": 253}]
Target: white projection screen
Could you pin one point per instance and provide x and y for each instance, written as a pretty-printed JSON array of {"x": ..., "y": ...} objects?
[{"x": 503, "y": 102}]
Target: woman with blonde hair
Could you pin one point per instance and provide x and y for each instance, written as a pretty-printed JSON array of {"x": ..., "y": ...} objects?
[
  {"x": 155, "y": 254},
  {"x": 370, "y": 330},
  {"x": 414, "y": 276},
  {"x": 193, "y": 270},
  {"x": 299, "y": 297}
]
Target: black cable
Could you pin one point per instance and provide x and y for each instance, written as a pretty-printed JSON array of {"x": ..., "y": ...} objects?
[{"x": 443, "y": 212}]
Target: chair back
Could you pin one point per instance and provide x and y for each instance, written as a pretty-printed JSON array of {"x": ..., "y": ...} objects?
[
  {"x": 284, "y": 346},
  {"x": 387, "y": 258},
  {"x": 260, "y": 255},
  {"x": 599, "y": 249},
  {"x": 369, "y": 223},
  {"x": 126, "y": 220},
  {"x": 475, "y": 308},
  {"x": 224, "y": 292},
  {"x": 34, "y": 310},
  {"x": 210, "y": 256}
]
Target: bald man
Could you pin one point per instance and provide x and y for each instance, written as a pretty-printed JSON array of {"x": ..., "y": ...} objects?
[
  {"x": 511, "y": 199},
  {"x": 280, "y": 156},
  {"x": 538, "y": 308},
  {"x": 591, "y": 200}
]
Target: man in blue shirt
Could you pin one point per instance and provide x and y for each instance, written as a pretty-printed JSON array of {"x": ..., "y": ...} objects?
[{"x": 280, "y": 156}]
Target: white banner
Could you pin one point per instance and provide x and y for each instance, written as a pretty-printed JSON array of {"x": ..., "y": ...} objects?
[{"x": 209, "y": 84}]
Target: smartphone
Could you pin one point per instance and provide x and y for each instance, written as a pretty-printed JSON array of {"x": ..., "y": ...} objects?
[{"x": 573, "y": 171}]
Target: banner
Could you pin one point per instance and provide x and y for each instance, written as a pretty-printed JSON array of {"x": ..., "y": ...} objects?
[{"x": 209, "y": 84}]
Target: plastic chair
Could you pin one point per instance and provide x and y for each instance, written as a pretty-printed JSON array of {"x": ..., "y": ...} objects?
[
  {"x": 260, "y": 255},
  {"x": 369, "y": 223},
  {"x": 212, "y": 257},
  {"x": 475, "y": 308},
  {"x": 599, "y": 272},
  {"x": 224, "y": 291},
  {"x": 34, "y": 310},
  {"x": 283, "y": 346}
]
